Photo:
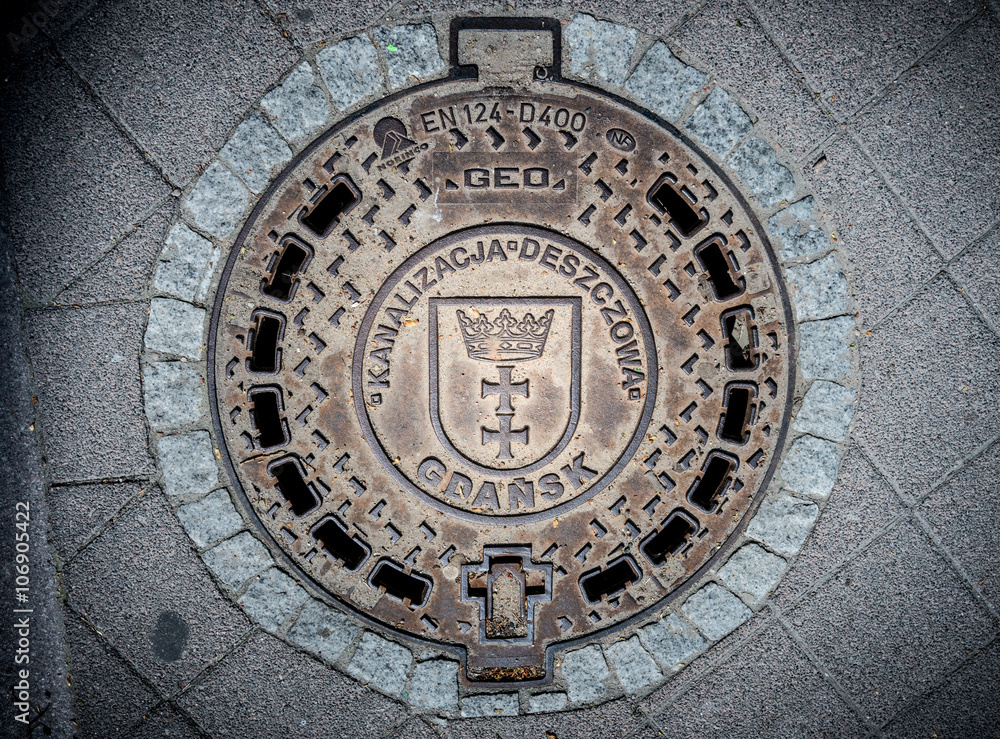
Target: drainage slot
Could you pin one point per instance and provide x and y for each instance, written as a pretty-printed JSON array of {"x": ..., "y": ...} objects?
[
  {"x": 265, "y": 357},
  {"x": 708, "y": 489},
  {"x": 293, "y": 260},
  {"x": 741, "y": 336},
  {"x": 333, "y": 537},
  {"x": 598, "y": 584},
  {"x": 733, "y": 426},
  {"x": 713, "y": 261},
  {"x": 293, "y": 488},
  {"x": 338, "y": 201},
  {"x": 271, "y": 429},
  {"x": 671, "y": 539},
  {"x": 676, "y": 207},
  {"x": 401, "y": 585}
]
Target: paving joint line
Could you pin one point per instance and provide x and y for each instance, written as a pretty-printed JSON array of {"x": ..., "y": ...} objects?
[
  {"x": 972, "y": 302},
  {"x": 827, "y": 676}
]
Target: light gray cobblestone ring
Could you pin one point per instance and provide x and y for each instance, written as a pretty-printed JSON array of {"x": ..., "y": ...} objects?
[{"x": 334, "y": 80}]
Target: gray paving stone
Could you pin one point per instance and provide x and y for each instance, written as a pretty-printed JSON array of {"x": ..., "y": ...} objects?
[
  {"x": 547, "y": 702},
  {"x": 294, "y": 696},
  {"x": 965, "y": 705},
  {"x": 584, "y": 672},
  {"x": 767, "y": 688},
  {"x": 411, "y": 51},
  {"x": 825, "y": 347},
  {"x": 382, "y": 663},
  {"x": 86, "y": 364},
  {"x": 254, "y": 152},
  {"x": 757, "y": 164},
  {"x": 186, "y": 264},
  {"x": 53, "y": 131},
  {"x": 978, "y": 271},
  {"x": 314, "y": 20},
  {"x": 726, "y": 37},
  {"x": 943, "y": 156},
  {"x": 98, "y": 712},
  {"x": 175, "y": 328},
  {"x": 188, "y": 463},
  {"x": 210, "y": 519},
  {"x": 885, "y": 270},
  {"x": 272, "y": 597},
  {"x": 612, "y": 720},
  {"x": 963, "y": 513},
  {"x": 166, "y": 614},
  {"x": 782, "y": 523},
  {"x": 672, "y": 642},
  {"x": 818, "y": 289},
  {"x": 893, "y": 622},
  {"x": 632, "y": 664},
  {"x": 349, "y": 70},
  {"x": 297, "y": 107},
  {"x": 180, "y": 77},
  {"x": 753, "y": 572},
  {"x": 323, "y": 630},
  {"x": 489, "y": 705},
  {"x": 601, "y": 48},
  {"x": 810, "y": 466},
  {"x": 123, "y": 272},
  {"x": 851, "y": 50},
  {"x": 826, "y": 411},
  {"x": 861, "y": 505},
  {"x": 663, "y": 83},
  {"x": 165, "y": 721},
  {"x": 175, "y": 394},
  {"x": 434, "y": 684},
  {"x": 797, "y": 238},
  {"x": 217, "y": 202},
  {"x": 928, "y": 387},
  {"x": 718, "y": 123},
  {"x": 236, "y": 560},
  {"x": 715, "y": 611},
  {"x": 77, "y": 512}
]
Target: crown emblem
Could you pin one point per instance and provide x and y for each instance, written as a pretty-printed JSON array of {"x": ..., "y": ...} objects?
[{"x": 506, "y": 339}]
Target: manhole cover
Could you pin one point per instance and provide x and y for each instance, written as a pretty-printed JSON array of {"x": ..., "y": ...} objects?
[{"x": 501, "y": 367}]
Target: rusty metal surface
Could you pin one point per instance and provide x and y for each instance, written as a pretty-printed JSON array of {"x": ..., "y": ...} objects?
[{"x": 525, "y": 380}]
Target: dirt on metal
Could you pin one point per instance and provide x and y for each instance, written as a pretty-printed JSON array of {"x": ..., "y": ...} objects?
[{"x": 502, "y": 367}]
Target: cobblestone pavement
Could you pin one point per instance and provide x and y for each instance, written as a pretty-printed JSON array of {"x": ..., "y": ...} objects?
[{"x": 864, "y": 597}]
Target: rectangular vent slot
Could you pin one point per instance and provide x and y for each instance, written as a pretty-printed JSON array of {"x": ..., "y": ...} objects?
[
  {"x": 292, "y": 259},
  {"x": 399, "y": 584},
  {"x": 264, "y": 349},
  {"x": 737, "y": 415},
  {"x": 716, "y": 266},
  {"x": 337, "y": 202},
  {"x": 671, "y": 539},
  {"x": 333, "y": 537},
  {"x": 267, "y": 419},
  {"x": 293, "y": 488},
  {"x": 708, "y": 489},
  {"x": 671, "y": 203},
  {"x": 615, "y": 579}
]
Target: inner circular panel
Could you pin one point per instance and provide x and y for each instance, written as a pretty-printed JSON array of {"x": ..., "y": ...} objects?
[{"x": 501, "y": 368}]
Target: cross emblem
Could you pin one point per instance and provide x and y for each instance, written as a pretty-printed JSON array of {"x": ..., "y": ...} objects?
[{"x": 504, "y": 435}]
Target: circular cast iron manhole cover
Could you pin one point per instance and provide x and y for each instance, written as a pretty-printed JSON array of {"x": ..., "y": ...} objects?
[{"x": 501, "y": 367}]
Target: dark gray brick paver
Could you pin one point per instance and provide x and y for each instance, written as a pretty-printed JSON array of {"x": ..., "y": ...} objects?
[
  {"x": 964, "y": 513},
  {"x": 928, "y": 387},
  {"x": 767, "y": 688},
  {"x": 180, "y": 75},
  {"x": 165, "y": 721},
  {"x": 934, "y": 133},
  {"x": 77, "y": 512},
  {"x": 86, "y": 364},
  {"x": 860, "y": 506},
  {"x": 964, "y": 706},
  {"x": 890, "y": 256},
  {"x": 310, "y": 21},
  {"x": 895, "y": 620},
  {"x": 74, "y": 182},
  {"x": 123, "y": 272},
  {"x": 162, "y": 610},
  {"x": 850, "y": 49},
  {"x": 99, "y": 710},
  {"x": 726, "y": 36},
  {"x": 293, "y": 696}
]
